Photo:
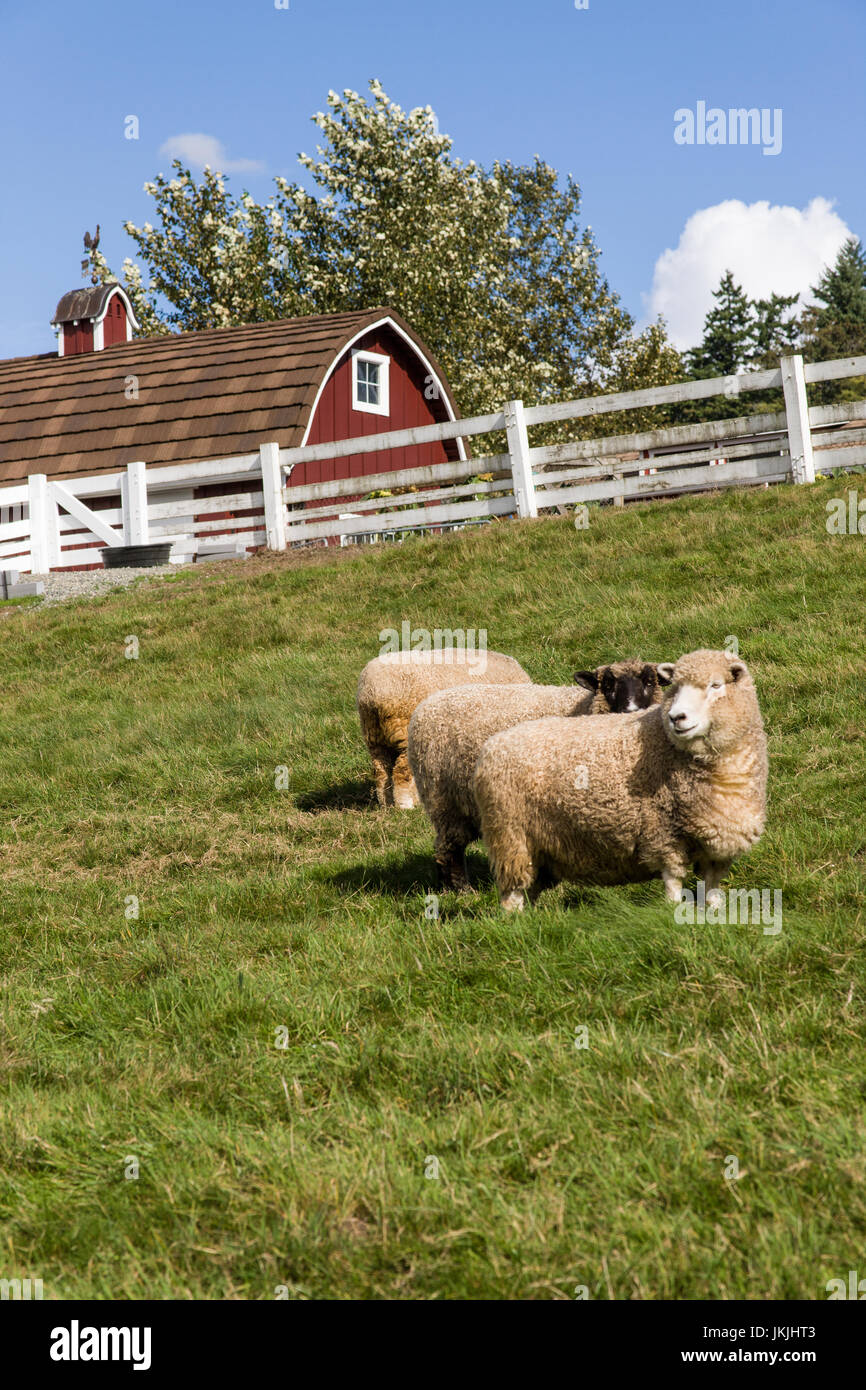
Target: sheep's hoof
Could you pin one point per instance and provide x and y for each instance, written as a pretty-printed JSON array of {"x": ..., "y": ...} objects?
[
  {"x": 715, "y": 898},
  {"x": 405, "y": 801},
  {"x": 452, "y": 881},
  {"x": 512, "y": 902}
]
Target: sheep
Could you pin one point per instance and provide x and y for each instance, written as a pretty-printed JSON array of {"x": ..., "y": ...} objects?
[
  {"x": 390, "y": 687},
  {"x": 448, "y": 730},
  {"x": 634, "y": 798},
  {"x": 622, "y": 686}
]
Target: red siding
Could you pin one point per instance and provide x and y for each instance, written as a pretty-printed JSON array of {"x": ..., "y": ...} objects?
[
  {"x": 114, "y": 323},
  {"x": 225, "y": 490},
  {"x": 335, "y": 417},
  {"x": 77, "y": 338}
]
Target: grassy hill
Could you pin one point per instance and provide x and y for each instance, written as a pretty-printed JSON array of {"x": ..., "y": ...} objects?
[{"x": 152, "y": 1039}]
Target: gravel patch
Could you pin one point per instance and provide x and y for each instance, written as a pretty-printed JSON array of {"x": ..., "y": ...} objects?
[{"x": 60, "y": 588}]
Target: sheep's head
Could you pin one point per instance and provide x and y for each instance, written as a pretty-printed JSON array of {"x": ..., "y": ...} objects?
[
  {"x": 710, "y": 702},
  {"x": 623, "y": 686}
]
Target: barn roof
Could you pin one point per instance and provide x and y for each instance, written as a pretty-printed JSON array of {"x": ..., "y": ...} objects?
[
  {"x": 83, "y": 304},
  {"x": 202, "y": 395}
]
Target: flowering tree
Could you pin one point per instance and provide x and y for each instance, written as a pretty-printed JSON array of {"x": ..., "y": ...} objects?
[{"x": 490, "y": 266}]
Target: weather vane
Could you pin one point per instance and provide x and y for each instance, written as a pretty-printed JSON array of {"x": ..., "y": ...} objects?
[{"x": 90, "y": 245}]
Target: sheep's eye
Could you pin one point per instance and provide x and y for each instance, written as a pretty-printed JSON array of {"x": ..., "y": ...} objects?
[{"x": 715, "y": 685}]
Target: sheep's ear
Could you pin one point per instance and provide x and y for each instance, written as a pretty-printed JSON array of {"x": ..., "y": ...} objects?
[
  {"x": 738, "y": 670},
  {"x": 648, "y": 674},
  {"x": 588, "y": 679},
  {"x": 665, "y": 672}
]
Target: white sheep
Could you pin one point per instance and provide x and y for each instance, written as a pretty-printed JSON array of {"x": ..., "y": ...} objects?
[
  {"x": 448, "y": 730},
  {"x": 623, "y": 800},
  {"x": 392, "y": 685}
]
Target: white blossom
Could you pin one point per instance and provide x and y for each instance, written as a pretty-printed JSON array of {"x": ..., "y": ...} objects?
[{"x": 396, "y": 218}]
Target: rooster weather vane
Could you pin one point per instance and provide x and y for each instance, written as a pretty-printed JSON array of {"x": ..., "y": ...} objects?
[{"x": 90, "y": 245}]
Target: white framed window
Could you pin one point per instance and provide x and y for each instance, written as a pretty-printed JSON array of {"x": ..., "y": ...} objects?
[{"x": 370, "y": 382}]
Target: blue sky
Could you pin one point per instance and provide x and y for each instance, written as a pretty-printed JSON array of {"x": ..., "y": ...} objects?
[{"x": 594, "y": 91}]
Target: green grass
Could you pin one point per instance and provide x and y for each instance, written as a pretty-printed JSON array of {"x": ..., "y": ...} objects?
[
  {"x": 410, "y": 1038},
  {"x": 29, "y": 601}
]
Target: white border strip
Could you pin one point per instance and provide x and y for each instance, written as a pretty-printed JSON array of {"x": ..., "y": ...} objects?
[{"x": 443, "y": 395}]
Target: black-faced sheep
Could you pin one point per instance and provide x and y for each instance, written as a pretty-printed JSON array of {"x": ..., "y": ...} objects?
[
  {"x": 448, "y": 730},
  {"x": 392, "y": 685},
  {"x": 639, "y": 797},
  {"x": 623, "y": 686}
]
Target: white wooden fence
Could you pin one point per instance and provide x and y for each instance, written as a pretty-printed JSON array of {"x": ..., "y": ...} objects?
[{"x": 47, "y": 525}]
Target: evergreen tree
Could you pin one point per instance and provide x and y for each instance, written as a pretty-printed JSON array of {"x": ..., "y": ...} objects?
[
  {"x": 728, "y": 333},
  {"x": 775, "y": 330},
  {"x": 836, "y": 326},
  {"x": 842, "y": 288}
]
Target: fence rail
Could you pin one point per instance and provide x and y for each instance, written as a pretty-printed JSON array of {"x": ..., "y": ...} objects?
[{"x": 47, "y": 524}]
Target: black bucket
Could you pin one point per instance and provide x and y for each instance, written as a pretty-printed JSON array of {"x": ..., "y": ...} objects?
[{"x": 138, "y": 557}]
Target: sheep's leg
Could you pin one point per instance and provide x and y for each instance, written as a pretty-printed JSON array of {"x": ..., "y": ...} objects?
[
  {"x": 673, "y": 882},
  {"x": 405, "y": 793},
  {"x": 713, "y": 871},
  {"x": 451, "y": 857},
  {"x": 515, "y": 873},
  {"x": 506, "y": 842},
  {"x": 383, "y": 765},
  {"x": 673, "y": 872},
  {"x": 452, "y": 872}
]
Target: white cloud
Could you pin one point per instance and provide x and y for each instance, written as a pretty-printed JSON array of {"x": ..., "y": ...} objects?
[
  {"x": 199, "y": 150},
  {"x": 770, "y": 249}
]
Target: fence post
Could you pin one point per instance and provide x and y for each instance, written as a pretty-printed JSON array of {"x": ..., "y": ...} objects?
[
  {"x": 272, "y": 486},
  {"x": 133, "y": 500},
  {"x": 797, "y": 419},
  {"x": 44, "y": 525},
  {"x": 521, "y": 467}
]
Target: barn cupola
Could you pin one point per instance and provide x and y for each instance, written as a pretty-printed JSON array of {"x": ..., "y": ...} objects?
[{"x": 91, "y": 319}]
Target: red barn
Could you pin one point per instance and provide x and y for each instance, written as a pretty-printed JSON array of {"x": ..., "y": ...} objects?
[{"x": 107, "y": 398}]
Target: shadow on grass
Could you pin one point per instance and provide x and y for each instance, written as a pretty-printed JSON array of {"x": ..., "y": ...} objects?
[
  {"x": 400, "y": 877},
  {"x": 413, "y": 873},
  {"x": 342, "y": 796},
  {"x": 395, "y": 878}
]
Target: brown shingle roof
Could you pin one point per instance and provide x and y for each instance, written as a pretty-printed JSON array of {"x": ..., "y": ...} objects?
[{"x": 202, "y": 395}]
